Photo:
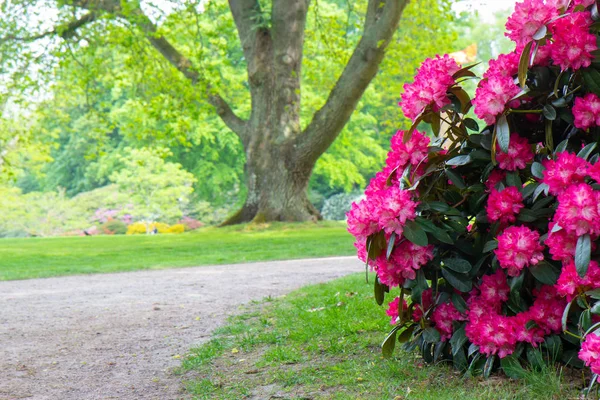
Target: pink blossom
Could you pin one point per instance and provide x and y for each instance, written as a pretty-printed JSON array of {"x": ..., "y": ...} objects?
[
  {"x": 572, "y": 43},
  {"x": 505, "y": 205},
  {"x": 594, "y": 172},
  {"x": 494, "y": 288},
  {"x": 495, "y": 177},
  {"x": 590, "y": 352},
  {"x": 506, "y": 65},
  {"x": 529, "y": 16},
  {"x": 586, "y": 111},
  {"x": 443, "y": 316},
  {"x": 492, "y": 95},
  {"x": 426, "y": 303},
  {"x": 519, "y": 154},
  {"x": 412, "y": 152},
  {"x": 429, "y": 88},
  {"x": 518, "y": 246},
  {"x": 565, "y": 171},
  {"x": 577, "y": 211},
  {"x": 405, "y": 260},
  {"x": 560, "y": 243},
  {"x": 393, "y": 310},
  {"x": 569, "y": 282}
]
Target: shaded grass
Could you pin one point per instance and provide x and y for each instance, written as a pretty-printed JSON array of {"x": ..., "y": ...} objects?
[
  {"x": 45, "y": 257},
  {"x": 322, "y": 342}
]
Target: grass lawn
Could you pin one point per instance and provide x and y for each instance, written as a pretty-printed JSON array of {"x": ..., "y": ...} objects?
[
  {"x": 45, "y": 257},
  {"x": 322, "y": 342}
]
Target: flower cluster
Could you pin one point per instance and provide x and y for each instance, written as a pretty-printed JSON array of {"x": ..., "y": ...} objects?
[
  {"x": 586, "y": 111},
  {"x": 432, "y": 81},
  {"x": 504, "y": 206},
  {"x": 518, "y": 246},
  {"x": 590, "y": 352},
  {"x": 518, "y": 156}
]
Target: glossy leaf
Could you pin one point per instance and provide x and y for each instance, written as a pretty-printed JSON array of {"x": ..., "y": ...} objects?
[{"x": 583, "y": 253}]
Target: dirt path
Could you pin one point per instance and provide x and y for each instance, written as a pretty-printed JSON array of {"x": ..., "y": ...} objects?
[{"x": 116, "y": 336}]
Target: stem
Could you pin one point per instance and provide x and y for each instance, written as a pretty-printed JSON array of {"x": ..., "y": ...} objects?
[
  {"x": 572, "y": 334},
  {"x": 513, "y": 111}
]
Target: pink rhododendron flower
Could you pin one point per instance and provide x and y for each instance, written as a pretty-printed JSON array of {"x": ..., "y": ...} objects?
[
  {"x": 394, "y": 310},
  {"x": 590, "y": 352},
  {"x": 529, "y": 16},
  {"x": 494, "y": 289},
  {"x": 405, "y": 260},
  {"x": 432, "y": 81},
  {"x": 560, "y": 243},
  {"x": 426, "y": 303},
  {"x": 495, "y": 177},
  {"x": 519, "y": 154},
  {"x": 572, "y": 43},
  {"x": 505, "y": 205},
  {"x": 569, "y": 283},
  {"x": 506, "y": 65},
  {"x": 518, "y": 246},
  {"x": 586, "y": 111},
  {"x": 565, "y": 171},
  {"x": 577, "y": 211},
  {"x": 594, "y": 172},
  {"x": 393, "y": 207},
  {"x": 492, "y": 95},
  {"x": 361, "y": 220},
  {"x": 443, "y": 316},
  {"x": 412, "y": 152}
]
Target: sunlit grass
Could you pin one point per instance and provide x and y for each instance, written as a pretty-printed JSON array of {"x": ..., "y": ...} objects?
[{"x": 45, "y": 257}]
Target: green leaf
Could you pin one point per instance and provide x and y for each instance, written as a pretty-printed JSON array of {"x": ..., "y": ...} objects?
[
  {"x": 512, "y": 367},
  {"x": 512, "y": 178},
  {"x": 585, "y": 320},
  {"x": 461, "y": 282},
  {"x": 455, "y": 178},
  {"x": 537, "y": 170},
  {"x": 471, "y": 124},
  {"x": 459, "y": 302},
  {"x": 586, "y": 151},
  {"x": 503, "y": 133},
  {"x": 459, "y": 160},
  {"x": 390, "y": 246},
  {"x": 489, "y": 363},
  {"x": 458, "y": 265},
  {"x": 534, "y": 356},
  {"x": 565, "y": 316},
  {"x": 379, "y": 290},
  {"x": 524, "y": 65},
  {"x": 413, "y": 232},
  {"x": 594, "y": 294},
  {"x": 540, "y": 33},
  {"x": 438, "y": 206},
  {"x": 406, "y": 334},
  {"x": 583, "y": 254},
  {"x": 591, "y": 78},
  {"x": 562, "y": 146},
  {"x": 545, "y": 273},
  {"x": 389, "y": 343},
  {"x": 458, "y": 339},
  {"x": 431, "y": 335},
  {"x": 549, "y": 112}
]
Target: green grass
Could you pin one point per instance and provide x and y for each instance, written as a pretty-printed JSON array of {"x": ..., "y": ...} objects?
[
  {"x": 322, "y": 342},
  {"x": 45, "y": 257}
]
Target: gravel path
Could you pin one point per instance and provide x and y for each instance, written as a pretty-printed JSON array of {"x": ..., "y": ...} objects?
[{"x": 116, "y": 336}]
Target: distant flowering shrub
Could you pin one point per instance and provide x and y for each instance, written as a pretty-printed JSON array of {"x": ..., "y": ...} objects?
[
  {"x": 190, "y": 223},
  {"x": 490, "y": 235}
]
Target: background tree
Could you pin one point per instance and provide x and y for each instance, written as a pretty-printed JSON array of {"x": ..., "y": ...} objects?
[
  {"x": 157, "y": 189},
  {"x": 279, "y": 151}
]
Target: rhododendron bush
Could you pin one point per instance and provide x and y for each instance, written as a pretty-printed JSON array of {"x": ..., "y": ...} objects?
[{"x": 488, "y": 238}]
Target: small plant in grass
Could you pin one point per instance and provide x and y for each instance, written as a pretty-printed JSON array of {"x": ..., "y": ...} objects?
[
  {"x": 489, "y": 236},
  {"x": 114, "y": 227}
]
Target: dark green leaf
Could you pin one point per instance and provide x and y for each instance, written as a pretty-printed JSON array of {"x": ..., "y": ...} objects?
[
  {"x": 565, "y": 316},
  {"x": 438, "y": 206},
  {"x": 458, "y": 339},
  {"x": 489, "y": 363},
  {"x": 534, "y": 356},
  {"x": 406, "y": 334},
  {"x": 524, "y": 65},
  {"x": 389, "y": 343},
  {"x": 562, "y": 146},
  {"x": 529, "y": 189},
  {"x": 545, "y": 273},
  {"x": 471, "y": 124},
  {"x": 585, "y": 320},
  {"x": 460, "y": 282},
  {"x": 583, "y": 253},
  {"x": 413, "y": 232},
  {"x": 549, "y": 112},
  {"x": 380, "y": 289},
  {"x": 458, "y": 264},
  {"x": 489, "y": 246},
  {"x": 455, "y": 178},
  {"x": 594, "y": 294},
  {"x": 540, "y": 189},
  {"x": 390, "y": 246},
  {"x": 503, "y": 133},
  {"x": 459, "y": 160},
  {"x": 512, "y": 367},
  {"x": 431, "y": 335},
  {"x": 459, "y": 360},
  {"x": 537, "y": 170},
  {"x": 459, "y": 302},
  {"x": 591, "y": 78},
  {"x": 512, "y": 178},
  {"x": 586, "y": 151}
]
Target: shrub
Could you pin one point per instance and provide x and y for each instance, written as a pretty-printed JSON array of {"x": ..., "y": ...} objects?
[
  {"x": 114, "y": 227},
  {"x": 490, "y": 237},
  {"x": 177, "y": 228},
  {"x": 138, "y": 228},
  {"x": 190, "y": 223},
  {"x": 336, "y": 207}
]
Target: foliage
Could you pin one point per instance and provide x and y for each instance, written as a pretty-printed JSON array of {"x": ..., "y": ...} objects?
[
  {"x": 138, "y": 228},
  {"x": 45, "y": 257},
  {"x": 157, "y": 189},
  {"x": 492, "y": 234},
  {"x": 177, "y": 228},
  {"x": 190, "y": 224},
  {"x": 336, "y": 207},
  {"x": 114, "y": 227}
]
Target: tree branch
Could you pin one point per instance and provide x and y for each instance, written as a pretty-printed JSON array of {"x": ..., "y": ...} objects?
[
  {"x": 381, "y": 22},
  {"x": 64, "y": 31}
]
